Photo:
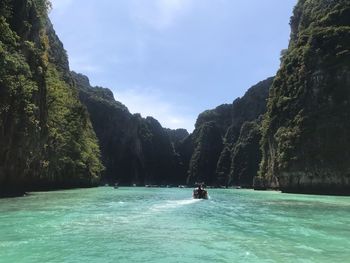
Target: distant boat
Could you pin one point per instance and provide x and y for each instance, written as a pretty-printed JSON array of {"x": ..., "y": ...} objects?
[
  {"x": 116, "y": 186},
  {"x": 200, "y": 193}
]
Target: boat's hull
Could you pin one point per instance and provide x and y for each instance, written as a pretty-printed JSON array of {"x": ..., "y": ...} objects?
[{"x": 200, "y": 195}]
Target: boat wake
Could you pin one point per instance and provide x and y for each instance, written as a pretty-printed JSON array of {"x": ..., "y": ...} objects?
[
  {"x": 173, "y": 204},
  {"x": 140, "y": 215}
]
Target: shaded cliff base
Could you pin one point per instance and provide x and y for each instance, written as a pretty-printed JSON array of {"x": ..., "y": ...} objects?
[
  {"x": 13, "y": 193},
  {"x": 20, "y": 191},
  {"x": 322, "y": 189},
  {"x": 304, "y": 184}
]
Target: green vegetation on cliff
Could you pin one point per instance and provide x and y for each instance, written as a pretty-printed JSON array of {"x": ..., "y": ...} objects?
[
  {"x": 246, "y": 155},
  {"x": 46, "y": 138},
  {"x": 306, "y": 137},
  {"x": 302, "y": 143},
  {"x": 135, "y": 150},
  {"x": 212, "y": 151}
]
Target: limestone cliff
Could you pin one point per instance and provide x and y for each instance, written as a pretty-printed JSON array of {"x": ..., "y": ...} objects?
[
  {"x": 306, "y": 137},
  {"x": 135, "y": 150},
  {"x": 210, "y": 150},
  {"x": 46, "y": 139}
]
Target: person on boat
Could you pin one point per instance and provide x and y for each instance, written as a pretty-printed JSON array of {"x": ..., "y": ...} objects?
[{"x": 200, "y": 191}]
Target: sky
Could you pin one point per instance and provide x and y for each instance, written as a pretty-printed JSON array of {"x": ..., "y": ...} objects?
[{"x": 173, "y": 59}]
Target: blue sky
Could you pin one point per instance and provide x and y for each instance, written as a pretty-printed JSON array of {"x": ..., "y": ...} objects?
[{"x": 172, "y": 59}]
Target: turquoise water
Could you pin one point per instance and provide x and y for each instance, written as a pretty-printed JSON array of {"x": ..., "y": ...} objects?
[{"x": 166, "y": 225}]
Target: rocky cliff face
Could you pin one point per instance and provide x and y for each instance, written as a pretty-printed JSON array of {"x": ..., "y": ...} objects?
[
  {"x": 207, "y": 148},
  {"x": 48, "y": 142},
  {"x": 177, "y": 135},
  {"x": 306, "y": 135},
  {"x": 135, "y": 150},
  {"x": 211, "y": 150},
  {"x": 246, "y": 155},
  {"x": 46, "y": 139}
]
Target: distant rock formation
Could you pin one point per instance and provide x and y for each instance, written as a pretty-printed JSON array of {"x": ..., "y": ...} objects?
[
  {"x": 56, "y": 130},
  {"x": 246, "y": 155},
  {"x": 221, "y": 138},
  {"x": 135, "y": 150}
]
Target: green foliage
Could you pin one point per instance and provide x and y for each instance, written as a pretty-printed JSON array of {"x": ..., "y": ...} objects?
[
  {"x": 223, "y": 167},
  {"x": 19, "y": 114},
  {"x": 208, "y": 151},
  {"x": 310, "y": 94},
  {"x": 6, "y": 8},
  {"x": 7, "y": 36},
  {"x": 221, "y": 115},
  {"x": 46, "y": 138},
  {"x": 43, "y": 7},
  {"x": 246, "y": 155},
  {"x": 72, "y": 146}
]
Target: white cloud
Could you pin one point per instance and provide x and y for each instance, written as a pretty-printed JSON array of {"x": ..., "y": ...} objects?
[
  {"x": 150, "y": 102},
  {"x": 159, "y": 14}
]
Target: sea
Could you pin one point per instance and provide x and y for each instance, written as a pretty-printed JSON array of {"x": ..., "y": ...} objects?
[{"x": 136, "y": 224}]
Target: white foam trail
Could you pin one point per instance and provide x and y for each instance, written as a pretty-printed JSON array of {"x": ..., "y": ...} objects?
[
  {"x": 173, "y": 204},
  {"x": 157, "y": 208}
]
